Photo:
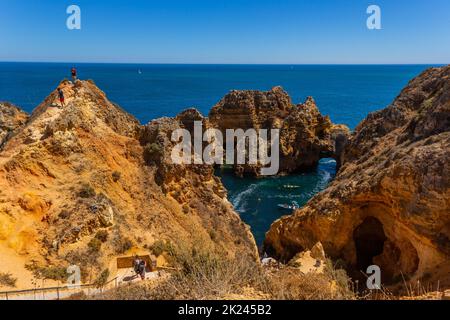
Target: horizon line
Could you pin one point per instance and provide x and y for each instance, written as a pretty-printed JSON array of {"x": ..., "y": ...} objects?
[{"x": 233, "y": 64}]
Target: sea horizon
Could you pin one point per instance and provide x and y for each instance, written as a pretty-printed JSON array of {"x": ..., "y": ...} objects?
[
  {"x": 149, "y": 91},
  {"x": 231, "y": 64}
]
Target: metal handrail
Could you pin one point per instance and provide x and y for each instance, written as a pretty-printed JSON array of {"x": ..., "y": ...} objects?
[{"x": 57, "y": 289}]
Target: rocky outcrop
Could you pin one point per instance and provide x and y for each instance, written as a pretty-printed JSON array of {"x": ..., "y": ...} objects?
[
  {"x": 310, "y": 261},
  {"x": 389, "y": 204},
  {"x": 305, "y": 135},
  {"x": 11, "y": 118},
  {"x": 84, "y": 183},
  {"x": 194, "y": 187}
]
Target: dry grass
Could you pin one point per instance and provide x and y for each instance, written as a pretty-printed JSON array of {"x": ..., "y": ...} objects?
[
  {"x": 204, "y": 275},
  {"x": 290, "y": 284}
]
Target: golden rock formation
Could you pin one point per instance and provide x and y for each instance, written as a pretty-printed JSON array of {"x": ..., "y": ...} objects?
[
  {"x": 389, "y": 204},
  {"x": 78, "y": 186},
  {"x": 305, "y": 135}
]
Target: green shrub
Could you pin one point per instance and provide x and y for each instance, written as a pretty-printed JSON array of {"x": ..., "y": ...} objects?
[
  {"x": 95, "y": 245},
  {"x": 153, "y": 153},
  {"x": 102, "y": 235},
  {"x": 86, "y": 191},
  {"x": 7, "y": 280},
  {"x": 213, "y": 235},
  {"x": 51, "y": 273},
  {"x": 116, "y": 176},
  {"x": 102, "y": 279},
  {"x": 161, "y": 246},
  {"x": 64, "y": 214},
  {"x": 122, "y": 245}
]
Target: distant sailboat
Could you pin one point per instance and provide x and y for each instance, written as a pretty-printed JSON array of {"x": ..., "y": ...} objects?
[{"x": 139, "y": 71}]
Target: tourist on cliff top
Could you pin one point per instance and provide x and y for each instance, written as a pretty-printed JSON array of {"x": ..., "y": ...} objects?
[
  {"x": 74, "y": 74},
  {"x": 61, "y": 96}
]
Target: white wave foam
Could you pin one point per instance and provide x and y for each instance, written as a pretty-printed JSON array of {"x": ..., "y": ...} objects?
[
  {"x": 328, "y": 161},
  {"x": 238, "y": 201},
  {"x": 325, "y": 177}
]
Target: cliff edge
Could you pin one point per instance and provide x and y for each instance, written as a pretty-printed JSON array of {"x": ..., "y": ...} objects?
[
  {"x": 79, "y": 187},
  {"x": 389, "y": 204}
]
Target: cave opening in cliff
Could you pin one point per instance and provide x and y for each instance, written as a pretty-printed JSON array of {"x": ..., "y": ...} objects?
[{"x": 369, "y": 238}]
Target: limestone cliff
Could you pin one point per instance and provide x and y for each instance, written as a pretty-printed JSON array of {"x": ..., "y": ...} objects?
[
  {"x": 305, "y": 135},
  {"x": 390, "y": 202},
  {"x": 11, "y": 118},
  {"x": 84, "y": 183}
]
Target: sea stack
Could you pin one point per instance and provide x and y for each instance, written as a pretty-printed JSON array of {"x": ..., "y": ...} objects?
[{"x": 306, "y": 136}]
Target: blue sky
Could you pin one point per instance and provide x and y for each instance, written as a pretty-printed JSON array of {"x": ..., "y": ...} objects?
[{"x": 226, "y": 31}]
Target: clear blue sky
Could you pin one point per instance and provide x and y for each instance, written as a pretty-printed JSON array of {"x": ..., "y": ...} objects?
[{"x": 226, "y": 31}]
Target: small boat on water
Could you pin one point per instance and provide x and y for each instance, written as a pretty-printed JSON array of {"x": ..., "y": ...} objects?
[
  {"x": 290, "y": 186},
  {"x": 293, "y": 206}
]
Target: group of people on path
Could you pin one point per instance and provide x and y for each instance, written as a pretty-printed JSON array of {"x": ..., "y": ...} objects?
[{"x": 73, "y": 72}]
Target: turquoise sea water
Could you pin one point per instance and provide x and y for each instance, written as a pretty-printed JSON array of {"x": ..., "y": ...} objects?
[
  {"x": 256, "y": 200},
  {"x": 347, "y": 93}
]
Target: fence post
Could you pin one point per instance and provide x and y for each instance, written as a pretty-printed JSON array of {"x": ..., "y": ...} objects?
[
  {"x": 57, "y": 293},
  {"x": 7, "y": 298}
]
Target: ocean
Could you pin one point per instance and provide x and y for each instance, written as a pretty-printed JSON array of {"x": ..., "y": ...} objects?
[{"x": 347, "y": 93}]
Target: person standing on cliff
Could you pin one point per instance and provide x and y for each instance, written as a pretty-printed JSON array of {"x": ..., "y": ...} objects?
[
  {"x": 61, "y": 97},
  {"x": 74, "y": 74}
]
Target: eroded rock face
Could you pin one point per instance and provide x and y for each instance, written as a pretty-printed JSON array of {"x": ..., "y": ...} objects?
[
  {"x": 73, "y": 171},
  {"x": 389, "y": 204},
  {"x": 193, "y": 186},
  {"x": 305, "y": 135},
  {"x": 11, "y": 118}
]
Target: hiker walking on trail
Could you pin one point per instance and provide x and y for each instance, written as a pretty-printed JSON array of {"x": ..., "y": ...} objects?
[
  {"x": 142, "y": 267},
  {"x": 74, "y": 74},
  {"x": 136, "y": 262},
  {"x": 139, "y": 266},
  {"x": 61, "y": 97}
]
